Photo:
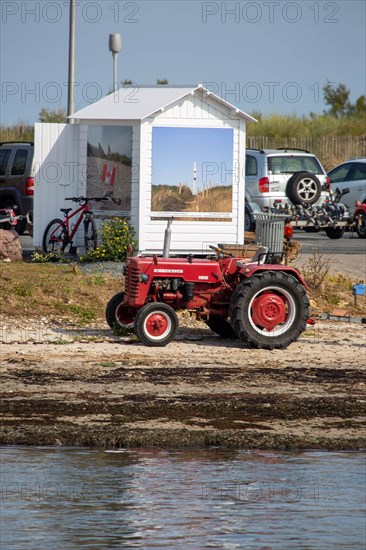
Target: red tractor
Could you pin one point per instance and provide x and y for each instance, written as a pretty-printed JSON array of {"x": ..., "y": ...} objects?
[{"x": 265, "y": 305}]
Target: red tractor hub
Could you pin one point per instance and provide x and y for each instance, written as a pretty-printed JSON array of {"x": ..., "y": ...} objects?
[
  {"x": 157, "y": 325},
  {"x": 268, "y": 310}
]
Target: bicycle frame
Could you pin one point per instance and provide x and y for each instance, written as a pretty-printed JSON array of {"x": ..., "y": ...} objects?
[
  {"x": 85, "y": 209},
  {"x": 83, "y": 212}
]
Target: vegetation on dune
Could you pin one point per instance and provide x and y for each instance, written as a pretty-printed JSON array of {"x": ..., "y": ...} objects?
[
  {"x": 217, "y": 199},
  {"x": 313, "y": 126},
  {"x": 172, "y": 198},
  {"x": 54, "y": 292},
  {"x": 21, "y": 131}
]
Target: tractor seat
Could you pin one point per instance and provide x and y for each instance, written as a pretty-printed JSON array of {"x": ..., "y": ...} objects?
[{"x": 65, "y": 210}]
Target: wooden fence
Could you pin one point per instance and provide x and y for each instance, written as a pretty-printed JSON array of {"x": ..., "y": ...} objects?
[{"x": 331, "y": 150}]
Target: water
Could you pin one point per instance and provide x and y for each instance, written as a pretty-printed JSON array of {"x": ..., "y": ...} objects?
[{"x": 72, "y": 498}]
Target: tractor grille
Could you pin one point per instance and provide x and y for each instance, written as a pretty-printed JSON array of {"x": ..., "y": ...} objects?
[{"x": 132, "y": 281}]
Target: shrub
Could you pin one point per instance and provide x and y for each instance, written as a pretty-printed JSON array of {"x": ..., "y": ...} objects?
[
  {"x": 315, "y": 269},
  {"x": 114, "y": 236}
]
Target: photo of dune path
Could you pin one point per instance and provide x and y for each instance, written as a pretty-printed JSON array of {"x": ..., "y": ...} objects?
[
  {"x": 192, "y": 170},
  {"x": 173, "y": 198}
]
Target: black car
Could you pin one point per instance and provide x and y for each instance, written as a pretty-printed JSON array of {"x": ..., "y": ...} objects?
[{"x": 17, "y": 179}]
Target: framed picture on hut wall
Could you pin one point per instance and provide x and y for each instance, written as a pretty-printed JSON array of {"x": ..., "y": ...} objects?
[
  {"x": 192, "y": 171},
  {"x": 109, "y": 165}
]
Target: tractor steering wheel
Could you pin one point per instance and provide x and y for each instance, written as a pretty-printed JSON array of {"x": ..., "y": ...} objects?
[{"x": 220, "y": 252}]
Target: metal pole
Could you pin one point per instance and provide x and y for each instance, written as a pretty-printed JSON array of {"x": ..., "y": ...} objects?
[
  {"x": 115, "y": 55},
  {"x": 71, "y": 79},
  {"x": 167, "y": 239}
]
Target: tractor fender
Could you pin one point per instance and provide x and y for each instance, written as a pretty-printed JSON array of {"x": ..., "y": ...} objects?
[{"x": 252, "y": 269}]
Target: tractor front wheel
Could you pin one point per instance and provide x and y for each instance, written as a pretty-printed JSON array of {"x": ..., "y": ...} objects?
[
  {"x": 269, "y": 310},
  {"x": 119, "y": 315},
  {"x": 156, "y": 324}
]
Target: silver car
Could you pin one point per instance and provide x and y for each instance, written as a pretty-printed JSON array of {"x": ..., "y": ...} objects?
[
  {"x": 284, "y": 176},
  {"x": 351, "y": 175}
]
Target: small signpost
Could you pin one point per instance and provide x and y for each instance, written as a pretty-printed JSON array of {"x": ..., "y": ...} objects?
[{"x": 358, "y": 289}]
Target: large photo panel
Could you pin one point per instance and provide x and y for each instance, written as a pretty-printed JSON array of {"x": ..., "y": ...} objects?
[
  {"x": 109, "y": 165},
  {"x": 192, "y": 170}
]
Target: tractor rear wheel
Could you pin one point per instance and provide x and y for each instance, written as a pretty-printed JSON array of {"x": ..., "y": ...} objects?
[
  {"x": 119, "y": 315},
  {"x": 269, "y": 310},
  {"x": 221, "y": 326},
  {"x": 156, "y": 324}
]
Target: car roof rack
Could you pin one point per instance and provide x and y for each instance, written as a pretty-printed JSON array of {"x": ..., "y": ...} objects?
[
  {"x": 253, "y": 149},
  {"x": 16, "y": 143},
  {"x": 292, "y": 149}
]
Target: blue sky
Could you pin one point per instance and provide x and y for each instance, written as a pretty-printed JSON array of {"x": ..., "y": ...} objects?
[
  {"x": 176, "y": 149},
  {"x": 118, "y": 138},
  {"x": 272, "y": 56}
]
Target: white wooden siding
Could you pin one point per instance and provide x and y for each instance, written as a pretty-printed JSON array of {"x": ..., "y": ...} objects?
[
  {"x": 61, "y": 150},
  {"x": 192, "y": 111},
  {"x": 57, "y": 172}
]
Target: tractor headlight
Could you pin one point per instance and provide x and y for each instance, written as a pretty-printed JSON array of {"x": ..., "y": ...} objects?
[{"x": 144, "y": 278}]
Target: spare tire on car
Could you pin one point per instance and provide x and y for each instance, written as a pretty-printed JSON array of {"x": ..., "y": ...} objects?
[{"x": 303, "y": 188}]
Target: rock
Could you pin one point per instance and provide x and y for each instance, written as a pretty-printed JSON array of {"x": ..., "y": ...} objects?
[{"x": 10, "y": 247}]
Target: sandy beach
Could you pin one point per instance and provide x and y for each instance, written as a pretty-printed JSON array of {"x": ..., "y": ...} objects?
[{"x": 61, "y": 387}]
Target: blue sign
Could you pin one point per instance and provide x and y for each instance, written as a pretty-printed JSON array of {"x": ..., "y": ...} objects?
[{"x": 359, "y": 289}]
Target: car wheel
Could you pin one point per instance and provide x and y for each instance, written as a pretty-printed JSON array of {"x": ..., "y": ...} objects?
[
  {"x": 249, "y": 221},
  {"x": 21, "y": 225},
  {"x": 335, "y": 232},
  {"x": 303, "y": 188}
]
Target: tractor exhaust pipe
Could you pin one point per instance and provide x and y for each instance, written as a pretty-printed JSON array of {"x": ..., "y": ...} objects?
[{"x": 167, "y": 239}]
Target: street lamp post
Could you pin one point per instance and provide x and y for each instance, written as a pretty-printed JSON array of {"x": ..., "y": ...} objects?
[
  {"x": 115, "y": 44},
  {"x": 71, "y": 78}
]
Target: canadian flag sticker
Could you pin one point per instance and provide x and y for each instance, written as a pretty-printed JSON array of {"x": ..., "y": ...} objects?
[{"x": 108, "y": 174}]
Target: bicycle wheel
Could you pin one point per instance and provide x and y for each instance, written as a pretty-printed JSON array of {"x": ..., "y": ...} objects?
[
  {"x": 90, "y": 234},
  {"x": 55, "y": 237}
]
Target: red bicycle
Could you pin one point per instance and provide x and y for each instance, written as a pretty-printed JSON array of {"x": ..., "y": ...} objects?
[{"x": 60, "y": 233}]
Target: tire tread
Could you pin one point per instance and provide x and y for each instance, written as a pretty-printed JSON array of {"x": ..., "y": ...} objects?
[{"x": 238, "y": 303}]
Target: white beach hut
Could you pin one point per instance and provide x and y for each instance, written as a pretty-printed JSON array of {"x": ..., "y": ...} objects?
[{"x": 166, "y": 152}]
